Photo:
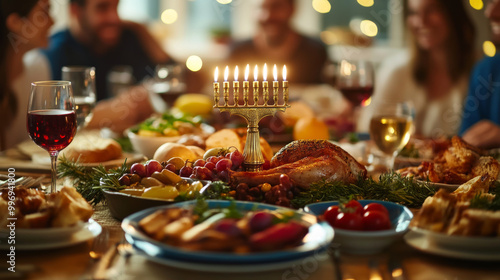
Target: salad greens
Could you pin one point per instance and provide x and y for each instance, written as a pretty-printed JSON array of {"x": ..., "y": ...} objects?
[{"x": 166, "y": 121}]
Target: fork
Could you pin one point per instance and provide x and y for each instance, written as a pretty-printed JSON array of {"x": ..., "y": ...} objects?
[
  {"x": 125, "y": 252},
  {"x": 99, "y": 247}
]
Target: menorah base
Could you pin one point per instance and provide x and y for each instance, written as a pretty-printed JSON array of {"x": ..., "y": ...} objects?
[{"x": 250, "y": 167}]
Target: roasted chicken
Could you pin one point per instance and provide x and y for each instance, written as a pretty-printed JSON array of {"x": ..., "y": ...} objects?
[
  {"x": 456, "y": 165},
  {"x": 306, "y": 162}
]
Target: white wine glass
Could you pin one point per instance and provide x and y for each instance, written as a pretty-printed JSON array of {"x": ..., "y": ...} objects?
[
  {"x": 51, "y": 120},
  {"x": 82, "y": 80},
  {"x": 391, "y": 128}
]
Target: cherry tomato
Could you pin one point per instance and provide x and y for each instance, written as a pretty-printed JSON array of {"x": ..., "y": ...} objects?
[
  {"x": 351, "y": 221},
  {"x": 331, "y": 213},
  {"x": 375, "y": 220},
  {"x": 376, "y": 207},
  {"x": 354, "y": 204}
]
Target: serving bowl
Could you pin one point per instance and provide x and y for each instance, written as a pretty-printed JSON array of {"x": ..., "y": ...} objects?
[
  {"x": 368, "y": 242},
  {"x": 147, "y": 145}
]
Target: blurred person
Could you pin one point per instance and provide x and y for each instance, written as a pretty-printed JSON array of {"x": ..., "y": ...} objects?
[
  {"x": 276, "y": 42},
  {"x": 24, "y": 26},
  {"x": 98, "y": 37},
  {"x": 481, "y": 116},
  {"x": 433, "y": 74}
]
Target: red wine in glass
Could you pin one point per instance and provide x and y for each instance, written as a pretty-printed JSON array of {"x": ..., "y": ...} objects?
[
  {"x": 357, "y": 95},
  {"x": 51, "y": 119},
  {"x": 53, "y": 129}
]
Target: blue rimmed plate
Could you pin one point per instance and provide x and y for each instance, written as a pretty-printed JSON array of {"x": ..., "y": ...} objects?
[{"x": 317, "y": 239}]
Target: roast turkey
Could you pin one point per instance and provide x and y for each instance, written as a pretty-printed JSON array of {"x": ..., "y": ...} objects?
[{"x": 306, "y": 162}]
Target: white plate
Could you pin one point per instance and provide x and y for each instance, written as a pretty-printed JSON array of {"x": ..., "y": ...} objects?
[
  {"x": 46, "y": 234},
  {"x": 89, "y": 231},
  {"x": 457, "y": 242},
  {"x": 422, "y": 242},
  {"x": 222, "y": 268}
]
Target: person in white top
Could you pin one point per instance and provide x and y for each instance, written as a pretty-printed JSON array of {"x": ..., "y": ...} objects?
[
  {"x": 433, "y": 73},
  {"x": 24, "y": 25}
]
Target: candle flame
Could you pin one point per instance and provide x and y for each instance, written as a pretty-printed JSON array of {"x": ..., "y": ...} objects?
[
  {"x": 226, "y": 73},
  {"x": 275, "y": 72},
  {"x": 255, "y": 73},
  {"x": 236, "y": 73},
  {"x": 284, "y": 72},
  {"x": 216, "y": 74},
  {"x": 247, "y": 72},
  {"x": 265, "y": 72}
]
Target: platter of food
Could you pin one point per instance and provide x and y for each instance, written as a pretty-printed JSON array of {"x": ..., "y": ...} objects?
[
  {"x": 459, "y": 163},
  {"x": 464, "y": 223},
  {"x": 46, "y": 221},
  {"x": 248, "y": 238},
  {"x": 149, "y": 135}
]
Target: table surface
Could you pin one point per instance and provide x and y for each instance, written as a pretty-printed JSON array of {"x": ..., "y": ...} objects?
[{"x": 75, "y": 263}]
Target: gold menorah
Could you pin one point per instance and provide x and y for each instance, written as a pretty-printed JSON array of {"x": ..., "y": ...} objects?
[{"x": 254, "y": 112}]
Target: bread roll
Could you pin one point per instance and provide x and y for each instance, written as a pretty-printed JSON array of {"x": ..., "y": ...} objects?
[
  {"x": 226, "y": 138},
  {"x": 91, "y": 149},
  {"x": 70, "y": 207},
  {"x": 170, "y": 150}
]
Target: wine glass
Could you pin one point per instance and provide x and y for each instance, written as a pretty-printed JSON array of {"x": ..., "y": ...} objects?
[
  {"x": 354, "y": 79},
  {"x": 391, "y": 128},
  {"x": 82, "y": 80},
  {"x": 51, "y": 119}
]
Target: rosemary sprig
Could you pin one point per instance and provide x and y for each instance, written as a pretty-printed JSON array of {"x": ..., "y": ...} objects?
[
  {"x": 390, "y": 187},
  {"x": 485, "y": 202},
  {"x": 91, "y": 182}
]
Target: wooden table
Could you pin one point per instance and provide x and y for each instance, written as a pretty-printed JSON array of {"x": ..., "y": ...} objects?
[{"x": 74, "y": 263}]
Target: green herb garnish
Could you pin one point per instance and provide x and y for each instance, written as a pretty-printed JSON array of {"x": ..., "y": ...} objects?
[
  {"x": 485, "y": 202},
  {"x": 91, "y": 182},
  {"x": 390, "y": 187}
]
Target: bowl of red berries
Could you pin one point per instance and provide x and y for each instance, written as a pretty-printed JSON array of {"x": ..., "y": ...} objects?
[{"x": 363, "y": 226}]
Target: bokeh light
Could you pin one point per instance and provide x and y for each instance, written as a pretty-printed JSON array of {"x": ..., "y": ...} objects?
[
  {"x": 169, "y": 16},
  {"x": 489, "y": 48},
  {"x": 224, "y": 2},
  {"x": 321, "y": 6},
  {"x": 368, "y": 28},
  {"x": 476, "y": 4},
  {"x": 194, "y": 63},
  {"x": 367, "y": 3},
  {"x": 328, "y": 37}
]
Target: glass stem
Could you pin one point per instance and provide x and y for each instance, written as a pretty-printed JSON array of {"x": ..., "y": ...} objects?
[
  {"x": 392, "y": 159},
  {"x": 53, "y": 168}
]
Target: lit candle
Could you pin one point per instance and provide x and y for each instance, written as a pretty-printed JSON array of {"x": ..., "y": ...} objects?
[
  {"x": 255, "y": 86},
  {"x": 275, "y": 85},
  {"x": 265, "y": 85},
  {"x": 246, "y": 85},
  {"x": 285, "y": 86},
  {"x": 216, "y": 87},
  {"x": 236, "y": 87},
  {"x": 226, "y": 86}
]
